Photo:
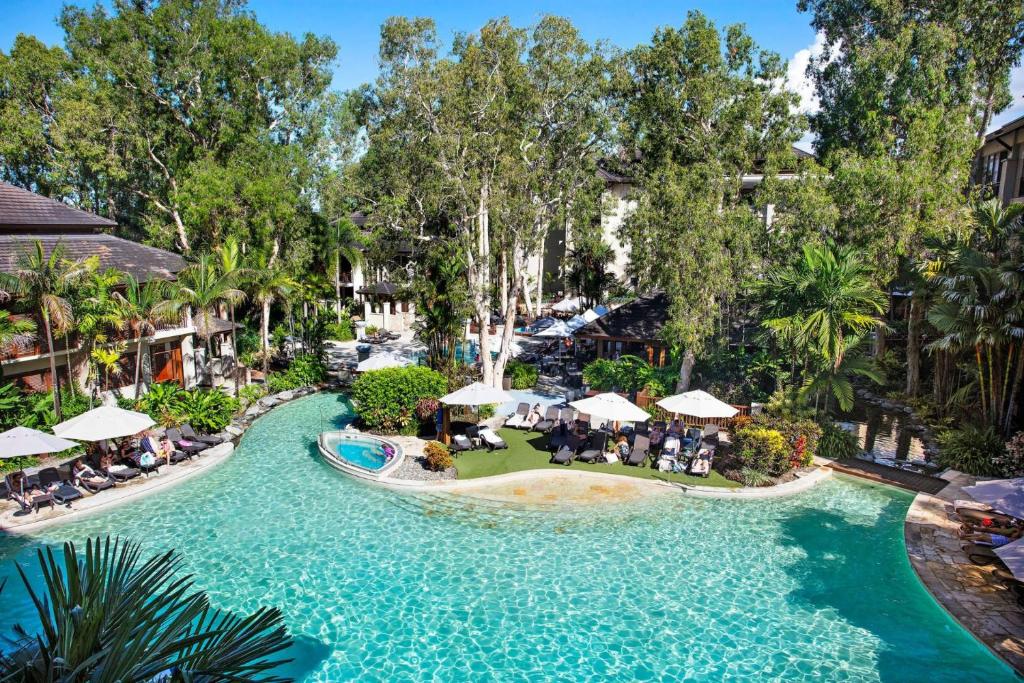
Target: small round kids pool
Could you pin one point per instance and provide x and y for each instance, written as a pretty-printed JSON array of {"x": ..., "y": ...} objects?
[{"x": 358, "y": 454}]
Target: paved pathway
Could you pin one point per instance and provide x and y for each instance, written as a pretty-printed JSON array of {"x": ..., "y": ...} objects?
[
  {"x": 967, "y": 591},
  {"x": 905, "y": 479}
]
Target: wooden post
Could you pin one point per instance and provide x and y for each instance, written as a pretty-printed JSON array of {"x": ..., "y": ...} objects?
[{"x": 445, "y": 436}]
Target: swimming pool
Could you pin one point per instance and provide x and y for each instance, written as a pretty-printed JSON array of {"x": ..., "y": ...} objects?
[{"x": 383, "y": 586}]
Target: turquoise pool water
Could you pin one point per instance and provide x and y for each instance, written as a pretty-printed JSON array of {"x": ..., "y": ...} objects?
[
  {"x": 380, "y": 586},
  {"x": 362, "y": 452}
]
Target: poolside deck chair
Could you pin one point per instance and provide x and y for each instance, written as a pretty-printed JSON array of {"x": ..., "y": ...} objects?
[
  {"x": 711, "y": 432},
  {"x": 183, "y": 444},
  {"x": 641, "y": 449},
  {"x": 26, "y": 503},
  {"x": 558, "y": 436},
  {"x": 979, "y": 554},
  {"x": 62, "y": 492},
  {"x": 94, "y": 487},
  {"x": 460, "y": 444},
  {"x": 492, "y": 439},
  {"x": 175, "y": 457},
  {"x": 583, "y": 422},
  {"x": 701, "y": 464},
  {"x": 979, "y": 517},
  {"x": 550, "y": 418},
  {"x": 190, "y": 434},
  {"x": 595, "y": 448},
  {"x": 120, "y": 473},
  {"x": 518, "y": 418},
  {"x": 659, "y": 424}
]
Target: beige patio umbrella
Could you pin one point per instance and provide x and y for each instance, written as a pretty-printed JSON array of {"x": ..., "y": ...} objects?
[{"x": 476, "y": 394}]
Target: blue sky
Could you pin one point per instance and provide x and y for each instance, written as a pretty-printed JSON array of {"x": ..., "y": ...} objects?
[{"x": 355, "y": 26}]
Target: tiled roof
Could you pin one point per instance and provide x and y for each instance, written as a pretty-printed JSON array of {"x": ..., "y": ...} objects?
[
  {"x": 382, "y": 288},
  {"x": 139, "y": 260},
  {"x": 641, "y": 319},
  {"x": 23, "y": 209}
]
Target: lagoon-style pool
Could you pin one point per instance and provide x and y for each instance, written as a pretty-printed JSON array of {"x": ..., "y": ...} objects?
[{"x": 380, "y": 585}]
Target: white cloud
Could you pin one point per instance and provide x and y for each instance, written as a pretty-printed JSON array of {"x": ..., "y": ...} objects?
[{"x": 797, "y": 79}]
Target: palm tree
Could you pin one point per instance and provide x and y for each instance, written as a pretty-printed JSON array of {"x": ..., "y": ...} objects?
[
  {"x": 345, "y": 240},
  {"x": 107, "y": 614},
  {"x": 442, "y": 304},
  {"x": 587, "y": 271},
  {"x": 144, "y": 306},
  {"x": 43, "y": 281},
  {"x": 836, "y": 381},
  {"x": 230, "y": 257},
  {"x": 268, "y": 283},
  {"x": 99, "y": 315},
  {"x": 203, "y": 287},
  {"x": 823, "y": 299}
]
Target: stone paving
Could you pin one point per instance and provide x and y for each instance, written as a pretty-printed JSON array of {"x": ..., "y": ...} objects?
[{"x": 979, "y": 602}]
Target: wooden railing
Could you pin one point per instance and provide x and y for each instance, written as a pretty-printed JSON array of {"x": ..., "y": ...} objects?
[
  {"x": 38, "y": 345},
  {"x": 650, "y": 404}
]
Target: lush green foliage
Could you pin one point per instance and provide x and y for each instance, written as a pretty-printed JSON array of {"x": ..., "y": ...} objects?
[
  {"x": 972, "y": 449},
  {"x": 836, "y": 443},
  {"x": 437, "y": 455},
  {"x": 1011, "y": 462},
  {"x": 628, "y": 373},
  {"x": 206, "y": 410},
  {"x": 251, "y": 393},
  {"x": 162, "y": 402},
  {"x": 750, "y": 476},
  {"x": 524, "y": 375},
  {"x": 107, "y": 593},
  {"x": 386, "y": 399},
  {"x": 762, "y": 449},
  {"x": 738, "y": 376},
  {"x": 341, "y": 331},
  {"x": 304, "y": 371}
]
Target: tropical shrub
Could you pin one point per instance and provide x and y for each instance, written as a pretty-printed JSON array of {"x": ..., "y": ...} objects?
[
  {"x": 18, "y": 463},
  {"x": 371, "y": 330},
  {"x": 437, "y": 456},
  {"x": 109, "y": 593},
  {"x": 35, "y": 410},
  {"x": 342, "y": 331},
  {"x": 1011, "y": 462},
  {"x": 836, "y": 443},
  {"x": 162, "y": 402},
  {"x": 794, "y": 430},
  {"x": 278, "y": 335},
  {"x": 973, "y": 450},
  {"x": 207, "y": 411},
  {"x": 10, "y": 405},
  {"x": 762, "y": 449},
  {"x": 387, "y": 399},
  {"x": 304, "y": 371},
  {"x": 754, "y": 477},
  {"x": 251, "y": 393},
  {"x": 524, "y": 375},
  {"x": 426, "y": 408},
  {"x": 486, "y": 411}
]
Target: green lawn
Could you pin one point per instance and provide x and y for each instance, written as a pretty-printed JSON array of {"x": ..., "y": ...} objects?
[{"x": 528, "y": 451}]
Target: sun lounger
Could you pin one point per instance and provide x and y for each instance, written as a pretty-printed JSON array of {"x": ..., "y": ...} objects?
[
  {"x": 563, "y": 456},
  {"x": 491, "y": 439},
  {"x": 641, "y": 449},
  {"x": 190, "y": 434},
  {"x": 62, "y": 492},
  {"x": 460, "y": 443},
  {"x": 980, "y": 554},
  {"x": 550, "y": 418},
  {"x": 597, "y": 444},
  {"x": 711, "y": 433},
  {"x": 120, "y": 472},
  {"x": 83, "y": 480},
  {"x": 979, "y": 517},
  {"x": 701, "y": 464},
  {"x": 558, "y": 437},
  {"x": 518, "y": 418},
  {"x": 26, "y": 502},
  {"x": 183, "y": 444}
]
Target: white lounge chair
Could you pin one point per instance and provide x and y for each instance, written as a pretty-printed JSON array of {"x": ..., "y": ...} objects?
[
  {"x": 491, "y": 439},
  {"x": 518, "y": 418}
]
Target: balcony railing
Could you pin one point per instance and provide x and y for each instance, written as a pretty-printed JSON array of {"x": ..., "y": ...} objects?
[{"x": 37, "y": 346}]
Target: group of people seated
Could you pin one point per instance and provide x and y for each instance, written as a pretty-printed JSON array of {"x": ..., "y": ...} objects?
[
  {"x": 104, "y": 465},
  {"x": 985, "y": 530}
]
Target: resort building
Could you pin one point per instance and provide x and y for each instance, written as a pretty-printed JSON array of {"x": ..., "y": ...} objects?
[
  {"x": 27, "y": 218},
  {"x": 631, "y": 329},
  {"x": 999, "y": 165}
]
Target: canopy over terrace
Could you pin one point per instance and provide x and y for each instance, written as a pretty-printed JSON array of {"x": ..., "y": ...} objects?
[
  {"x": 634, "y": 329},
  {"x": 475, "y": 394}
]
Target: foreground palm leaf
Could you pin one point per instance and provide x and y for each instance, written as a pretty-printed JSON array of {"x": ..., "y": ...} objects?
[{"x": 107, "y": 615}]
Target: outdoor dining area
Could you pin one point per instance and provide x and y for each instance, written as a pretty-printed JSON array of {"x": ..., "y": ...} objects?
[{"x": 111, "y": 446}]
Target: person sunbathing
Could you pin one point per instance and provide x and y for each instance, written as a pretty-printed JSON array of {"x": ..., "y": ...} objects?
[
  {"x": 85, "y": 475},
  {"x": 26, "y": 497},
  {"x": 657, "y": 436},
  {"x": 160, "y": 448},
  {"x": 534, "y": 417}
]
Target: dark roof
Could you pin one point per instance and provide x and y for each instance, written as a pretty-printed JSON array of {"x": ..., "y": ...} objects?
[
  {"x": 382, "y": 288},
  {"x": 358, "y": 218},
  {"x": 640, "y": 319},
  {"x": 144, "y": 263},
  {"x": 1007, "y": 127},
  {"x": 612, "y": 177},
  {"x": 23, "y": 209},
  {"x": 214, "y": 325}
]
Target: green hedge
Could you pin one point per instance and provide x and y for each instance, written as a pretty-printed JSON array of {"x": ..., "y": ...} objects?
[
  {"x": 304, "y": 371},
  {"x": 206, "y": 410},
  {"x": 386, "y": 399},
  {"x": 524, "y": 375}
]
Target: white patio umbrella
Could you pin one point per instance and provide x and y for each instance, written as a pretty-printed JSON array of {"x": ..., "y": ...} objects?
[
  {"x": 611, "y": 407},
  {"x": 105, "y": 422},
  {"x": 590, "y": 315},
  {"x": 576, "y": 322},
  {"x": 24, "y": 441},
  {"x": 476, "y": 394},
  {"x": 566, "y": 305},
  {"x": 559, "y": 329},
  {"x": 494, "y": 343},
  {"x": 697, "y": 403},
  {"x": 1005, "y": 495},
  {"x": 1012, "y": 555},
  {"x": 380, "y": 361}
]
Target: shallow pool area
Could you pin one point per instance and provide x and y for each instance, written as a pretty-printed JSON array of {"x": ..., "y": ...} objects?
[{"x": 381, "y": 585}]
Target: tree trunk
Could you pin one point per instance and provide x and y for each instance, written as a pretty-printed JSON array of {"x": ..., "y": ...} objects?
[
  {"x": 914, "y": 347},
  {"x": 503, "y": 274},
  {"x": 138, "y": 364},
  {"x": 53, "y": 367},
  {"x": 179, "y": 227},
  {"x": 234, "y": 350},
  {"x": 685, "y": 371},
  {"x": 880, "y": 340},
  {"x": 979, "y": 141},
  {"x": 265, "y": 334},
  {"x": 1011, "y": 411},
  {"x": 337, "y": 285}
]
